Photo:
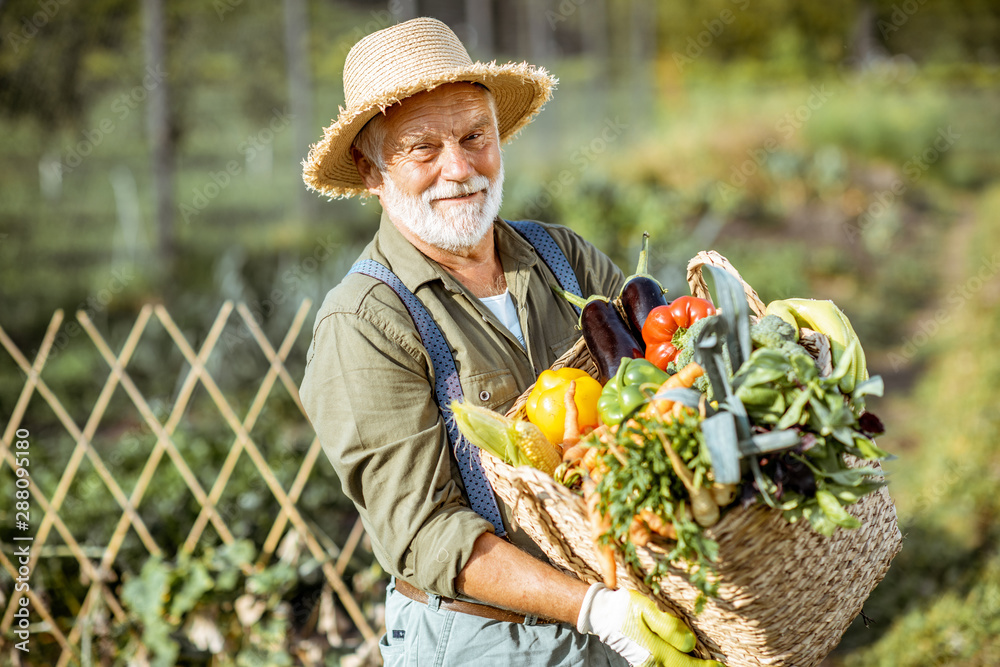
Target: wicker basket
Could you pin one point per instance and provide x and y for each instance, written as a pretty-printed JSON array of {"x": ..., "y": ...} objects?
[{"x": 786, "y": 593}]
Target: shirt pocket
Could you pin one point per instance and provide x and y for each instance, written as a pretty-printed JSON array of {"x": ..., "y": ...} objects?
[
  {"x": 560, "y": 348},
  {"x": 493, "y": 389}
]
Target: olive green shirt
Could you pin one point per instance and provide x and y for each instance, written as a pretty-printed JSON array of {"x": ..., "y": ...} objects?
[{"x": 368, "y": 390}]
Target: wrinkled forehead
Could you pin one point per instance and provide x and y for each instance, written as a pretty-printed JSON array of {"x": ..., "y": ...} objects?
[{"x": 452, "y": 108}]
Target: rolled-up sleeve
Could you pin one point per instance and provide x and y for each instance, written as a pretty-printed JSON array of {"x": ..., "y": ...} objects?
[{"x": 366, "y": 392}]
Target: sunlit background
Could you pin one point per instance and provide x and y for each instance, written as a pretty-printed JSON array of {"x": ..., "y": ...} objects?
[{"x": 150, "y": 156}]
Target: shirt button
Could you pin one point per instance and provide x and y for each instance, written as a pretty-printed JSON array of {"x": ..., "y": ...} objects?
[{"x": 484, "y": 395}]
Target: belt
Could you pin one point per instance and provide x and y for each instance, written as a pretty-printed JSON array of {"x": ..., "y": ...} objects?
[{"x": 472, "y": 608}]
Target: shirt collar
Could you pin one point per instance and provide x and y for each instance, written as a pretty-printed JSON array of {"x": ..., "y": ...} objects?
[{"x": 414, "y": 268}]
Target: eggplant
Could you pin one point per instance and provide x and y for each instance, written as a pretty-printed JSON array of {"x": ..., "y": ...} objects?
[
  {"x": 640, "y": 294},
  {"x": 604, "y": 331}
]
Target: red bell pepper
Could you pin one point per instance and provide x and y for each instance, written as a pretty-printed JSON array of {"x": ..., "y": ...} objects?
[{"x": 666, "y": 326}]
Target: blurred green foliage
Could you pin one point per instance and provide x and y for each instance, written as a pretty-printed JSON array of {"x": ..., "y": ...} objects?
[
  {"x": 193, "y": 592},
  {"x": 944, "y": 589},
  {"x": 821, "y": 163}
]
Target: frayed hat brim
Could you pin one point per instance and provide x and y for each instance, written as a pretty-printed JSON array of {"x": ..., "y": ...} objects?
[{"x": 519, "y": 91}]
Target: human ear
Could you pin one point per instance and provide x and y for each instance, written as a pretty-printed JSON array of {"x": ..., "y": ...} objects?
[{"x": 370, "y": 175}]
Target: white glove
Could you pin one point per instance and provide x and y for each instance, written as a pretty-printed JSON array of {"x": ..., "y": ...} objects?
[{"x": 636, "y": 629}]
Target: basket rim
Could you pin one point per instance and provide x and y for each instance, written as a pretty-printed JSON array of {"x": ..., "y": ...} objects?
[{"x": 547, "y": 510}]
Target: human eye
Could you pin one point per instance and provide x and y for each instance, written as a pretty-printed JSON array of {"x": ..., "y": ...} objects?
[
  {"x": 421, "y": 147},
  {"x": 474, "y": 137}
]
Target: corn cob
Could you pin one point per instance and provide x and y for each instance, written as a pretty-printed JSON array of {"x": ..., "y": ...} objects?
[
  {"x": 539, "y": 452},
  {"x": 513, "y": 441}
]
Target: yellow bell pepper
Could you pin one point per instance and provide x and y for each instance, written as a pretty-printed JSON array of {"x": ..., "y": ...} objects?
[{"x": 546, "y": 405}]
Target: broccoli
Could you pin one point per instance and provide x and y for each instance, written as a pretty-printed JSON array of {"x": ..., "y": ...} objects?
[
  {"x": 686, "y": 354},
  {"x": 773, "y": 332}
]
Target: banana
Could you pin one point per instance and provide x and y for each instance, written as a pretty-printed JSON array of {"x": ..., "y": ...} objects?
[{"x": 825, "y": 317}]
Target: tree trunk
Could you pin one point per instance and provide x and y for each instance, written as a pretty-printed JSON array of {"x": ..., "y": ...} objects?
[
  {"x": 642, "y": 29},
  {"x": 865, "y": 47},
  {"x": 643, "y": 20},
  {"x": 595, "y": 26},
  {"x": 404, "y": 10},
  {"x": 160, "y": 136},
  {"x": 541, "y": 42},
  {"x": 299, "y": 93},
  {"x": 479, "y": 18}
]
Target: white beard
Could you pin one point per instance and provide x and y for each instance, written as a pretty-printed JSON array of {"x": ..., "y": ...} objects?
[{"x": 456, "y": 228}]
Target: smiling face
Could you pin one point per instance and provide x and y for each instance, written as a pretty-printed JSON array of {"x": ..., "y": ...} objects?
[{"x": 443, "y": 175}]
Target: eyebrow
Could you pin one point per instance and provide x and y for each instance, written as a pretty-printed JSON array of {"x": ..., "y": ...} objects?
[
  {"x": 411, "y": 139},
  {"x": 483, "y": 120}
]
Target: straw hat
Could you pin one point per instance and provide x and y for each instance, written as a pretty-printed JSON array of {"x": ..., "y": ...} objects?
[{"x": 392, "y": 64}]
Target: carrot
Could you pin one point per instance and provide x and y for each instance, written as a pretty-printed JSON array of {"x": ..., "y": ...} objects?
[
  {"x": 638, "y": 532},
  {"x": 635, "y": 434},
  {"x": 571, "y": 427},
  {"x": 600, "y": 524},
  {"x": 703, "y": 406},
  {"x": 682, "y": 379},
  {"x": 617, "y": 451},
  {"x": 658, "y": 525},
  {"x": 687, "y": 375},
  {"x": 605, "y": 434},
  {"x": 576, "y": 453},
  {"x": 592, "y": 459}
]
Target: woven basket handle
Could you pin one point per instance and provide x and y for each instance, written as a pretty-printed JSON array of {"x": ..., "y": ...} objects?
[{"x": 699, "y": 287}]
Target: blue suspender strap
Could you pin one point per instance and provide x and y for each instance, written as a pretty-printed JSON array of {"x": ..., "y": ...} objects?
[
  {"x": 447, "y": 388},
  {"x": 550, "y": 253}
]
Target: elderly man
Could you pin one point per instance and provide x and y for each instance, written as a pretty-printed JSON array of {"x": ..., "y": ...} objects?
[{"x": 422, "y": 131}]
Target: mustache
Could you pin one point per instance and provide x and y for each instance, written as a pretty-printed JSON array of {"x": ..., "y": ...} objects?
[{"x": 448, "y": 190}]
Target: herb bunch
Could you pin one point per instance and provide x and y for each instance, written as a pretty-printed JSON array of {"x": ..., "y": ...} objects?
[{"x": 638, "y": 475}]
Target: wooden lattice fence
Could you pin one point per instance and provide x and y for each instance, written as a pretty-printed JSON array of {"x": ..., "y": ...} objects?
[{"x": 69, "y": 638}]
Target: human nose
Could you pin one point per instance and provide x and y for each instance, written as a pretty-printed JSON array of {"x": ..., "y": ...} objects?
[{"x": 456, "y": 165}]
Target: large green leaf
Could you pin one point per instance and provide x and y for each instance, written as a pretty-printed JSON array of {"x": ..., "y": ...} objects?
[
  {"x": 723, "y": 447},
  {"x": 732, "y": 304},
  {"x": 144, "y": 594},
  {"x": 197, "y": 582}
]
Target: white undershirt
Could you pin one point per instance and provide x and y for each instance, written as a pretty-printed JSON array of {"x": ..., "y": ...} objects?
[{"x": 502, "y": 306}]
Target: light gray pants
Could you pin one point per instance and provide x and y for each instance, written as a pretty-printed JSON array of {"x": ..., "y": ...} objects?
[{"x": 423, "y": 634}]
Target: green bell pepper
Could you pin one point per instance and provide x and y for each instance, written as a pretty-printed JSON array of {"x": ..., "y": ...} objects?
[{"x": 628, "y": 390}]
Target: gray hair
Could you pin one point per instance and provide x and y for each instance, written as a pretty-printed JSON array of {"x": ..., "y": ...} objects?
[{"x": 370, "y": 140}]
